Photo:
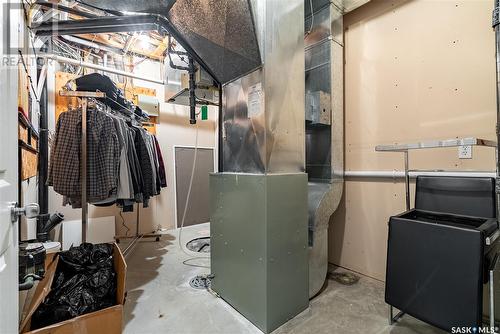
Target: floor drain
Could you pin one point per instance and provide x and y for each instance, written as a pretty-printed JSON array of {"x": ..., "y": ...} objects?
[
  {"x": 344, "y": 278},
  {"x": 199, "y": 245},
  {"x": 200, "y": 282}
]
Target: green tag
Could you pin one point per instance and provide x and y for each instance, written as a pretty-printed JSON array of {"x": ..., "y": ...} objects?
[{"x": 204, "y": 113}]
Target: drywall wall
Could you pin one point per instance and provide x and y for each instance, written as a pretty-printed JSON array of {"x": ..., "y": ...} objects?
[
  {"x": 417, "y": 69},
  {"x": 174, "y": 129}
]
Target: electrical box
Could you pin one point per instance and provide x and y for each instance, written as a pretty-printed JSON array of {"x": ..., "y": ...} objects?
[
  {"x": 318, "y": 108},
  {"x": 177, "y": 92},
  {"x": 201, "y": 78},
  {"x": 465, "y": 152},
  {"x": 149, "y": 104}
]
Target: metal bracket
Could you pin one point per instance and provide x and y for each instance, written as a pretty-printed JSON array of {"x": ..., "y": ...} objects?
[
  {"x": 394, "y": 318},
  {"x": 30, "y": 211}
]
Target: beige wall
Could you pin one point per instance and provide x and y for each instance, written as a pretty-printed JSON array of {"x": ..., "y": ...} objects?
[
  {"x": 421, "y": 69},
  {"x": 174, "y": 129}
]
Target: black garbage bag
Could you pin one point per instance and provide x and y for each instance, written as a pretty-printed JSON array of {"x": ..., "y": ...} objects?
[{"x": 84, "y": 282}]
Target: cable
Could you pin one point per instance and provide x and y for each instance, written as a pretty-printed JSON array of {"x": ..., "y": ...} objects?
[
  {"x": 188, "y": 196},
  {"x": 124, "y": 225}
]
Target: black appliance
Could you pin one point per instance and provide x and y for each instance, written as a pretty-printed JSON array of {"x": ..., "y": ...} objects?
[{"x": 437, "y": 257}]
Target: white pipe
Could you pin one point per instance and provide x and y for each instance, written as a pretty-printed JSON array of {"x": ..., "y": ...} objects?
[
  {"x": 89, "y": 43},
  {"x": 100, "y": 68},
  {"x": 413, "y": 174}
]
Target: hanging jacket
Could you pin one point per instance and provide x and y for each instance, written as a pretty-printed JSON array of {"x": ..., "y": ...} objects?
[
  {"x": 103, "y": 154},
  {"x": 162, "y": 174}
]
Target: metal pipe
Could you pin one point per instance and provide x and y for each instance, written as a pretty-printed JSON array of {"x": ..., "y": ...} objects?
[
  {"x": 413, "y": 174},
  {"x": 407, "y": 180},
  {"x": 121, "y": 24},
  {"x": 90, "y": 44},
  {"x": 192, "y": 94},
  {"x": 43, "y": 157},
  {"x": 100, "y": 68},
  {"x": 496, "y": 26},
  {"x": 492, "y": 299},
  {"x": 66, "y": 9},
  {"x": 220, "y": 121},
  {"x": 84, "y": 170}
]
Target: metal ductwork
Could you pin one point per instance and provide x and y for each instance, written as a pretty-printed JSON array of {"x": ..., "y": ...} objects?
[
  {"x": 222, "y": 32},
  {"x": 324, "y": 128},
  {"x": 324, "y": 109},
  {"x": 255, "y": 50}
]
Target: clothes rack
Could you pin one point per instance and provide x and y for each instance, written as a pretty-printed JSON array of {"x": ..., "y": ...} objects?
[{"x": 84, "y": 97}]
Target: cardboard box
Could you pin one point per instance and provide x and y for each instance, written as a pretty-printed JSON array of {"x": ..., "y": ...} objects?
[{"x": 108, "y": 320}]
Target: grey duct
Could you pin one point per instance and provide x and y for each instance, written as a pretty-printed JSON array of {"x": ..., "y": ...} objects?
[
  {"x": 100, "y": 68},
  {"x": 324, "y": 58},
  {"x": 221, "y": 32},
  {"x": 324, "y": 129}
]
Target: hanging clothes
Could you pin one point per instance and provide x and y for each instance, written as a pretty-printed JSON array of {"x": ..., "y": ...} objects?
[
  {"x": 162, "y": 174},
  {"x": 125, "y": 188},
  {"x": 124, "y": 164},
  {"x": 103, "y": 154},
  {"x": 146, "y": 164}
]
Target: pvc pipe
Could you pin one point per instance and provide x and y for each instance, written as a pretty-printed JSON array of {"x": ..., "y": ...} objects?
[
  {"x": 413, "y": 174},
  {"x": 100, "y": 68},
  {"x": 89, "y": 43}
]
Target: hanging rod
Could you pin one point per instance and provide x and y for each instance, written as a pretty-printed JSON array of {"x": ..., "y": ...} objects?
[{"x": 100, "y": 68}]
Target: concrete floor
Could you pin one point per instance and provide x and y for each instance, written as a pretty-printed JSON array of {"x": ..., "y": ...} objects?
[{"x": 160, "y": 299}]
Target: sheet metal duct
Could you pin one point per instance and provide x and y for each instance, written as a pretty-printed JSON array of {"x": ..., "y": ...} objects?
[
  {"x": 344, "y": 6},
  {"x": 221, "y": 32},
  {"x": 324, "y": 140},
  {"x": 324, "y": 58}
]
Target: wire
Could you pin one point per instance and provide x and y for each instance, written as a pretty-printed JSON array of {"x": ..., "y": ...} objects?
[
  {"x": 188, "y": 197},
  {"x": 124, "y": 225},
  {"x": 312, "y": 18}
]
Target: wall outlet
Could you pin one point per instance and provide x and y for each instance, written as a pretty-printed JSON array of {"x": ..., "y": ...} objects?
[{"x": 465, "y": 152}]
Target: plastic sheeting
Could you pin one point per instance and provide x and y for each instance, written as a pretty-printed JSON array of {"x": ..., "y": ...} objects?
[{"x": 85, "y": 282}]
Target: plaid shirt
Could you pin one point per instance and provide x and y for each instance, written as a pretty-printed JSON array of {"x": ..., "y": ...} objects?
[{"x": 103, "y": 156}]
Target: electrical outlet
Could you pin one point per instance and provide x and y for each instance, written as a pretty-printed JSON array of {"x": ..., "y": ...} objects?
[{"x": 465, "y": 152}]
